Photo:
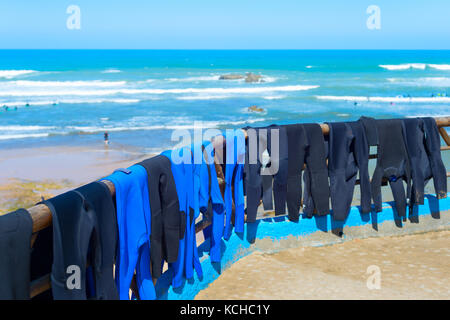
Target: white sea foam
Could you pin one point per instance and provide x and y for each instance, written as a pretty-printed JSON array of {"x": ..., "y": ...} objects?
[
  {"x": 30, "y": 131},
  {"x": 105, "y": 92},
  {"x": 421, "y": 66},
  {"x": 25, "y": 128},
  {"x": 71, "y": 101},
  {"x": 432, "y": 114},
  {"x": 425, "y": 81},
  {"x": 63, "y": 84},
  {"x": 111, "y": 70},
  {"x": 203, "y": 97},
  {"x": 194, "y": 79},
  {"x": 22, "y": 136},
  {"x": 440, "y": 66},
  {"x": 387, "y": 99},
  {"x": 8, "y": 74},
  {"x": 274, "y": 97},
  {"x": 404, "y": 66},
  {"x": 186, "y": 125}
]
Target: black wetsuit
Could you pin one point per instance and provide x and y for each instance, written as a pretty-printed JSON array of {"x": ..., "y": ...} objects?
[
  {"x": 252, "y": 170},
  {"x": 279, "y": 166},
  {"x": 168, "y": 223},
  {"x": 392, "y": 164},
  {"x": 15, "y": 250},
  {"x": 74, "y": 223},
  {"x": 420, "y": 165},
  {"x": 79, "y": 238},
  {"x": 297, "y": 144},
  {"x": 348, "y": 152},
  {"x": 317, "y": 190},
  {"x": 99, "y": 196},
  {"x": 361, "y": 150},
  {"x": 433, "y": 149}
]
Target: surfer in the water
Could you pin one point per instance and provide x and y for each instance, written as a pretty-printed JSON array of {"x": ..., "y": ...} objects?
[{"x": 106, "y": 138}]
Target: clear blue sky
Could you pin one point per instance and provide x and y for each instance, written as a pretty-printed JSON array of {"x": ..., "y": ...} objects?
[{"x": 225, "y": 24}]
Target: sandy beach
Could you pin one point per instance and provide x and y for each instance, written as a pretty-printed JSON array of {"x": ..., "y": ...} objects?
[
  {"x": 411, "y": 267},
  {"x": 32, "y": 173}
]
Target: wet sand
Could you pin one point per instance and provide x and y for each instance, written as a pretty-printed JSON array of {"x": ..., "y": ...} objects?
[
  {"x": 411, "y": 267},
  {"x": 77, "y": 164},
  {"x": 29, "y": 174}
]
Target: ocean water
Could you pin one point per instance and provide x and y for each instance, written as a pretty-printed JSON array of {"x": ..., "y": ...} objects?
[{"x": 71, "y": 97}]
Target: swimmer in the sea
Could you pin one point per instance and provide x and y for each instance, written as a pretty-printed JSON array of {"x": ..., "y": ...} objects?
[{"x": 106, "y": 138}]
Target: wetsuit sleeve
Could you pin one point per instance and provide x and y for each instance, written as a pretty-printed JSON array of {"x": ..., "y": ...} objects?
[
  {"x": 297, "y": 144},
  {"x": 238, "y": 182},
  {"x": 433, "y": 144},
  {"x": 280, "y": 162},
  {"x": 342, "y": 169},
  {"x": 415, "y": 144},
  {"x": 361, "y": 151},
  {"x": 15, "y": 238},
  {"x": 253, "y": 180}
]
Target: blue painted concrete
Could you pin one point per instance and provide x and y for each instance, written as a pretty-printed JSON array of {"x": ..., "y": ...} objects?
[{"x": 278, "y": 228}]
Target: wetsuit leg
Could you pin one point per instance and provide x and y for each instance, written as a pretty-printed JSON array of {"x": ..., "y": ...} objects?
[
  {"x": 280, "y": 163},
  {"x": 235, "y": 157},
  {"x": 361, "y": 152},
  {"x": 238, "y": 183},
  {"x": 15, "y": 239},
  {"x": 342, "y": 169},
  {"x": 267, "y": 192},
  {"x": 297, "y": 144},
  {"x": 98, "y": 194},
  {"x": 253, "y": 179},
  {"x": 416, "y": 152},
  {"x": 317, "y": 190},
  {"x": 433, "y": 143}
]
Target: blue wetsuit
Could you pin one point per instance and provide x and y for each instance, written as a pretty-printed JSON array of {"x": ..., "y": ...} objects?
[
  {"x": 205, "y": 189},
  {"x": 182, "y": 185},
  {"x": 193, "y": 183},
  {"x": 211, "y": 198},
  {"x": 134, "y": 224}
]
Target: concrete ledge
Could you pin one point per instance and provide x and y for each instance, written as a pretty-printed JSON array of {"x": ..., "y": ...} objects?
[{"x": 275, "y": 234}]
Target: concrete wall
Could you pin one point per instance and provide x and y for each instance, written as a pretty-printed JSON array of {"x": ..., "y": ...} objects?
[{"x": 275, "y": 234}]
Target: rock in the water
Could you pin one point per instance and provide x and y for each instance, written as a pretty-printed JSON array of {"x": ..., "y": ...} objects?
[
  {"x": 251, "y": 77},
  {"x": 255, "y": 109},
  {"x": 231, "y": 77}
]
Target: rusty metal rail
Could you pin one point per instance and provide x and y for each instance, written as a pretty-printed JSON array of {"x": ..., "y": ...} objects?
[{"x": 42, "y": 217}]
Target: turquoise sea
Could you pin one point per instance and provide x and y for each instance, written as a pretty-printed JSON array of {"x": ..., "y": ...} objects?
[{"x": 71, "y": 97}]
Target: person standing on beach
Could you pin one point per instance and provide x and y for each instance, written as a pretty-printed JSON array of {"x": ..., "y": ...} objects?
[{"x": 106, "y": 138}]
